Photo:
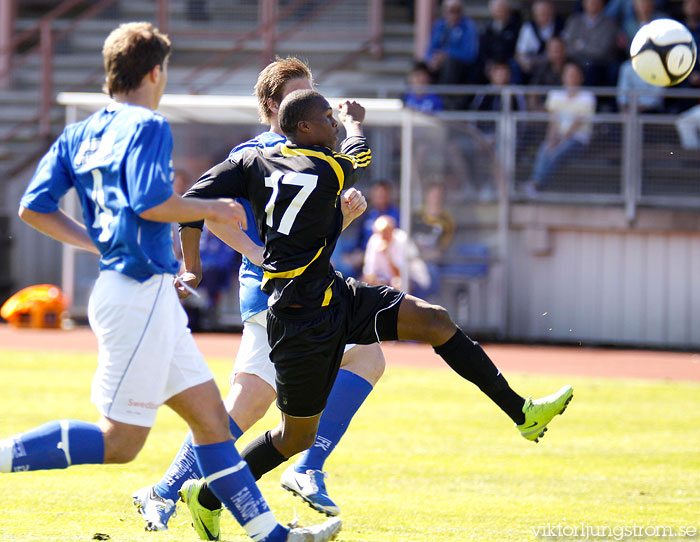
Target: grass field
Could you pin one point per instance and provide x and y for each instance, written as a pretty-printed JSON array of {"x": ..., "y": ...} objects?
[{"x": 428, "y": 458}]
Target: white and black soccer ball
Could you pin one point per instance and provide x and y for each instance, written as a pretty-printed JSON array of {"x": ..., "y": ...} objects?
[{"x": 663, "y": 52}]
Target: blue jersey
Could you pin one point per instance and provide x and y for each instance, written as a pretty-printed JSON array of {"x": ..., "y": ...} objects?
[
  {"x": 119, "y": 161},
  {"x": 252, "y": 299}
]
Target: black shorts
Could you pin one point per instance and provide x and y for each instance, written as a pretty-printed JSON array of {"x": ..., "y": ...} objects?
[{"x": 307, "y": 345}]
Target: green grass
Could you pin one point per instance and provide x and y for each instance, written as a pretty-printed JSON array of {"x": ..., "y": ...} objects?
[{"x": 428, "y": 458}]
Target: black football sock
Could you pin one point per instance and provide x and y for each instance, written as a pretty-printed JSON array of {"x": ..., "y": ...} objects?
[
  {"x": 468, "y": 359},
  {"x": 262, "y": 456},
  {"x": 207, "y": 498}
]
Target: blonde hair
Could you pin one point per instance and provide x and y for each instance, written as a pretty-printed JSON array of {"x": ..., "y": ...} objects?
[
  {"x": 271, "y": 81},
  {"x": 130, "y": 52}
]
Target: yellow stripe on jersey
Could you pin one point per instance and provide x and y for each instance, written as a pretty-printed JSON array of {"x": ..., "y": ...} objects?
[
  {"x": 329, "y": 293},
  {"x": 286, "y": 151},
  {"x": 267, "y": 275},
  {"x": 362, "y": 159}
]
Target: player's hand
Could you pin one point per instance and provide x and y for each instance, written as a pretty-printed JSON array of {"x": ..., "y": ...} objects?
[
  {"x": 191, "y": 279},
  {"x": 351, "y": 112},
  {"x": 228, "y": 211},
  {"x": 352, "y": 204}
]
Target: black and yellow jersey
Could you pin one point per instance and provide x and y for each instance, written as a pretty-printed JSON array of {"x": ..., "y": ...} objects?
[{"x": 295, "y": 195}]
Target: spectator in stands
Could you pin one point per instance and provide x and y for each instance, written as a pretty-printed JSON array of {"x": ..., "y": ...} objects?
[
  {"x": 432, "y": 230},
  {"x": 390, "y": 255},
  {"x": 623, "y": 10},
  {"x": 650, "y": 99},
  {"x": 198, "y": 10},
  {"x": 688, "y": 124},
  {"x": 433, "y": 226},
  {"x": 350, "y": 255},
  {"x": 381, "y": 202},
  {"x": 591, "y": 40},
  {"x": 691, "y": 18},
  {"x": 500, "y": 34},
  {"x": 534, "y": 34},
  {"x": 417, "y": 98},
  {"x": 454, "y": 46},
  {"x": 569, "y": 130},
  {"x": 499, "y": 75},
  {"x": 219, "y": 263},
  {"x": 548, "y": 71},
  {"x": 643, "y": 12}
]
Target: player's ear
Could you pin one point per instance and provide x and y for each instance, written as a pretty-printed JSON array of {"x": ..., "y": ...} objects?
[
  {"x": 273, "y": 106},
  {"x": 154, "y": 74},
  {"x": 303, "y": 126}
]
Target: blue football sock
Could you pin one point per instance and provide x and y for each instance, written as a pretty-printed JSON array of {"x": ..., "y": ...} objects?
[
  {"x": 347, "y": 395},
  {"x": 229, "y": 478},
  {"x": 185, "y": 466},
  {"x": 56, "y": 445}
]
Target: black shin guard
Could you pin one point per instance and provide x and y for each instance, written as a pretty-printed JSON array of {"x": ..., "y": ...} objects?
[
  {"x": 262, "y": 456},
  {"x": 468, "y": 359}
]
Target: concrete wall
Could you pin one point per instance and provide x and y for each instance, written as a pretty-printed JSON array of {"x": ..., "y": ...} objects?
[{"x": 581, "y": 273}]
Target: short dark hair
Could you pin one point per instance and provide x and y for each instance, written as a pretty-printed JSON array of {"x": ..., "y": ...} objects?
[
  {"x": 296, "y": 107},
  {"x": 575, "y": 63},
  {"x": 130, "y": 52}
]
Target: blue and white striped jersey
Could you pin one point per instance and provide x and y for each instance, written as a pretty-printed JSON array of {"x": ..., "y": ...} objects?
[{"x": 119, "y": 161}]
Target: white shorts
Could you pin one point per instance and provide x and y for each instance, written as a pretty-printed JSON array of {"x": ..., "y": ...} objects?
[
  {"x": 253, "y": 355},
  {"x": 146, "y": 351}
]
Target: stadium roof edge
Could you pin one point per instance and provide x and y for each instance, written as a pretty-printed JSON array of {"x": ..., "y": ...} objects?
[{"x": 220, "y": 109}]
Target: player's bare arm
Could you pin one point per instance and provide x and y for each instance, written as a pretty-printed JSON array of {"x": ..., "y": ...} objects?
[
  {"x": 237, "y": 240},
  {"x": 60, "y": 226},
  {"x": 192, "y": 275},
  {"x": 352, "y": 205},
  {"x": 178, "y": 209},
  {"x": 351, "y": 116}
]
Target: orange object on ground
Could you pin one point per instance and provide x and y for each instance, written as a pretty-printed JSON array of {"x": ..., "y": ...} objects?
[{"x": 40, "y": 306}]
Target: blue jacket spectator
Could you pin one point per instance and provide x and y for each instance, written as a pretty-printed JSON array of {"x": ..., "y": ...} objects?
[
  {"x": 454, "y": 45},
  {"x": 417, "y": 98}
]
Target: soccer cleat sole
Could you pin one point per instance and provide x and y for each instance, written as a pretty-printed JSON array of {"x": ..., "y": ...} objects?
[
  {"x": 544, "y": 429},
  {"x": 149, "y": 527},
  {"x": 310, "y": 504}
]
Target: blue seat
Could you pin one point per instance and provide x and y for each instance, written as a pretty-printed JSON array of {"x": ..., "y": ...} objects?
[{"x": 468, "y": 260}]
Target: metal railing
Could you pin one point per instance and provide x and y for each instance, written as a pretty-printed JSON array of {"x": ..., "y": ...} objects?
[
  {"x": 271, "y": 23},
  {"x": 633, "y": 158},
  {"x": 42, "y": 38}
]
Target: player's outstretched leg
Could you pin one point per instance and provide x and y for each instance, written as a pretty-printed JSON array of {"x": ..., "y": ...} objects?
[
  {"x": 420, "y": 321},
  {"x": 363, "y": 366},
  {"x": 54, "y": 445}
]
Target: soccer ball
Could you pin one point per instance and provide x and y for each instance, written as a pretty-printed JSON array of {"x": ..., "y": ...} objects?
[{"x": 663, "y": 52}]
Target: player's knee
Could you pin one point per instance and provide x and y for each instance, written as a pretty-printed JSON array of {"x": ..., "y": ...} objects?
[
  {"x": 119, "y": 453},
  {"x": 439, "y": 319},
  {"x": 374, "y": 368},
  {"x": 441, "y": 327},
  {"x": 211, "y": 426},
  {"x": 245, "y": 418},
  {"x": 291, "y": 444},
  {"x": 366, "y": 362}
]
